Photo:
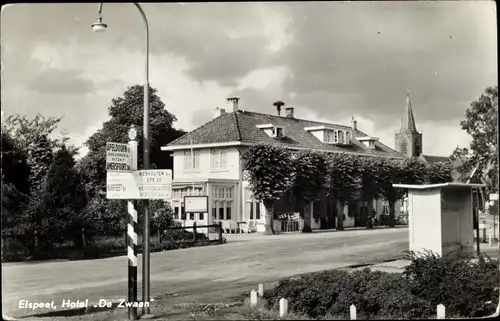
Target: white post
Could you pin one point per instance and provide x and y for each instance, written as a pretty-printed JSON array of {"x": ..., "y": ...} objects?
[
  {"x": 261, "y": 290},
  {"x": 283, "y": 307},
  {"x": 441, "y": 312},
  {"x": 352, "y": 311},
  {"x": 489, "y": 238},
  {"x": 253, "y": 298}
]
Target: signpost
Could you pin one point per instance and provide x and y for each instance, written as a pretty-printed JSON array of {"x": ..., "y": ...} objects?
[
  {"x": 143, "y": 184},
  {"x": 124, "y": 181},
  {"x": 118, "y": 157}
]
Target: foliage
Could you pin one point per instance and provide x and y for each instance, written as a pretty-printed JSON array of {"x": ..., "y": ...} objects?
[
  {"x": 270, "y": 173},
  {"x": 162, "y": 215},
  {"x": 439, "y": 172},
  {"x": 309, "y": 180},
  {"x": 33, "y": 138},
  {"x": 371, "y": 170},
  {"x": 126, "y": 111},
  {"x": 460, "y": 285},
  {"x": 342, "y": 177},
  {"x": 426, "y": 283},
  {"x": 481, "y": 122}
]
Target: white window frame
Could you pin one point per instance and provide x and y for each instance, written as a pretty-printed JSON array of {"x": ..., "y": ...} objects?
[
  {"x": 341, "y": 137},
  {"x": 348, "y": 137},
  {"x": 222, "y": 197},
  {"x": 218, "y": 159},
  {"x": 335, "y": 136},
  {"x": 188, "y": 160}
]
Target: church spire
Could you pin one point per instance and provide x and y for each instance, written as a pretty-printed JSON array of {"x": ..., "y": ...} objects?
[{"x": 408, "y": 123}]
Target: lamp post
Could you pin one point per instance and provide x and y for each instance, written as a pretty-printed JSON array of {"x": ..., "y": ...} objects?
[{"x": 99, "y": 26}]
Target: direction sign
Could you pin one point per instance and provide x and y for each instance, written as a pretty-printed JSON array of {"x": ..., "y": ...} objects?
[
  {"x": 118, "y": 157},
  {"x": 145, "y": 184}
]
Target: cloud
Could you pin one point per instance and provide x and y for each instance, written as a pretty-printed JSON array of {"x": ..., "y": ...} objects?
[
  {"x": 328, "y": 59},
  {"x": 61, "y": 81}
]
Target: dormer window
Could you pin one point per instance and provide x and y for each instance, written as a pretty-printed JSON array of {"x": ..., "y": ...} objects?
[
  {"x": 272, "y": 130},
  {"x": 368, "y": 141},
  {"x": 330, "y": 135}
]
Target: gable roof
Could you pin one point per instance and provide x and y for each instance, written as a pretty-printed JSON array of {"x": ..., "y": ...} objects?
[{"x": 241, "y": 126}]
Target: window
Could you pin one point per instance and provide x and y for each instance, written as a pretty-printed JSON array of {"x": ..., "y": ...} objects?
[
  {"x": 403, "y": 147},
  {"x": 341, "y": 137},
  {"x": 335, "y": 137},
  {"x": 214, "y": 210},
  {"x": 179, "y": 193},
  {"x": 252, "y": 207},
  {"x": 191, "y": 161},
  {"x": 228, "y": 210},
  {"x": 222, "y": 202},
  {"x": 191, "y": 216},
  {"x": 348, "y": 136},
  {"x": 201, "y": 216},
  {"x": 218, "y": 158},
  {"x": 176, "y": 213}
]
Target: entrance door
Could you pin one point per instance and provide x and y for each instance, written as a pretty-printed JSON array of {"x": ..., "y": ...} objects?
[{"x": 254, "y": 212}]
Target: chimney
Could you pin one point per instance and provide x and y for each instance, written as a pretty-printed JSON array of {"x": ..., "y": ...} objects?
[
  {"x": 219, "y": 112},
  {"x": 289, "y": 112},
  {"x": 235, "y": 102},
  {"x": 278, "y": 105},
  {"x": 354, "y": 124}
]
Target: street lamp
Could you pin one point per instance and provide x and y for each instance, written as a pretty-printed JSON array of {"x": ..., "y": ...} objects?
[{"x": 99, "y": 26}]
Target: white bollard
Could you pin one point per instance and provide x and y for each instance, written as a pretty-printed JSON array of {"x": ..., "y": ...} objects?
[
  {"x": 261, "y": 290},
  {"x": 253, "y": 298},
  {"x": 283, "y": 307},
  {"x": 352, "y": 311},
  {"x": 441, "y": 312}
]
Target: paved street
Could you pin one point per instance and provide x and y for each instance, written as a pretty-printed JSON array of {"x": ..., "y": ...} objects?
[{"x": 243, "y": 260}]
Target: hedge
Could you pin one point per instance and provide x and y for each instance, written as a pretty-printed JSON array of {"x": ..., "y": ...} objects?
[{"x": 465, "y": 288}]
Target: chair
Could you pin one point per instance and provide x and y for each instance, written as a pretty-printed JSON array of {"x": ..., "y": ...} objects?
[
  {"x": 226, "y": 226},
  {"x": 244, "y": 227},
  {"x": 252, "y": 227}
]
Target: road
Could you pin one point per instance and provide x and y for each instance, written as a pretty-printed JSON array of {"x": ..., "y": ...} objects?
[{"x": 244, "y": 260}]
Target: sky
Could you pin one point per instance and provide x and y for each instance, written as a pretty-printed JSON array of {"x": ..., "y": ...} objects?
[{"x": 330, "y": 60}]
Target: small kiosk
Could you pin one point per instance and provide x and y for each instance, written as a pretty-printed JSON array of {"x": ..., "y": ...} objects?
[{"x": 440, "y": 218}]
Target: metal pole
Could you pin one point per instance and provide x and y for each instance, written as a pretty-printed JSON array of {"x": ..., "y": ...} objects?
[
  {"x": 145, "y": 256},
  {"x": 146, "y": 238}
]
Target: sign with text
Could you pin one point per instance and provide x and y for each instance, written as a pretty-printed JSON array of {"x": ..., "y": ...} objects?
[
  {"x": 118, "y": 157},
  {"x": 196, "y": 204},
  {"x": 144, "y": 184},
  {"x": 494, "y": 197}
]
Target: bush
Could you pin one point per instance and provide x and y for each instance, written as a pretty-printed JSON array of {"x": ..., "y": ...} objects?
[
  {"x": 460, "y": 285},
  {"x": 463, "y": 287}
]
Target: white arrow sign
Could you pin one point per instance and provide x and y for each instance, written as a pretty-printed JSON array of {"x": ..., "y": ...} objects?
[{"x": 145, "y": 184}]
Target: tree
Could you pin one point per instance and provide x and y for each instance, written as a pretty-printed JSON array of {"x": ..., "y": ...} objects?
[
  {"x": 61, "y": 200},
  {"x": 33, "y": 138},
  {"x": 481, "y": 122},
  {"x": 439, "y": 172},
  {"x": 309, "y": 180},
  {"x": 162, "y": 215},
  {"x": 342, "y": 180},
  {"x": 270, "y": 173},
  {"x": 125, "y": 111}
]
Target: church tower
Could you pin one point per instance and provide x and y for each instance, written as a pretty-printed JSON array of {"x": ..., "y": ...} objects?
[{"x": 408, "y": 141}]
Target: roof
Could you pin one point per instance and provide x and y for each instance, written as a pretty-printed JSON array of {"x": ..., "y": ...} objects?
[
  {"x": 241, "y": 126},
  {"x": 435, "y": 159},
  {"x": 431, "y": 186},
  {"x": 408, "y": 123}
]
